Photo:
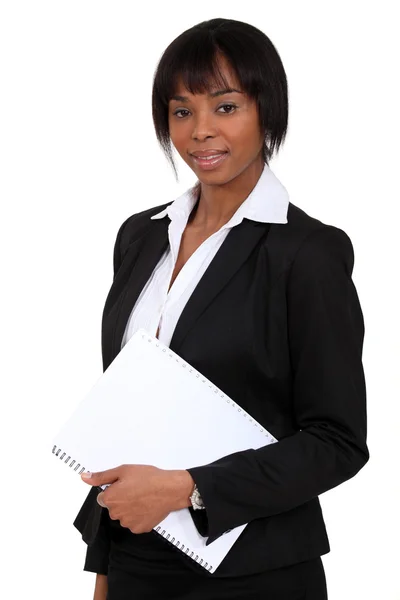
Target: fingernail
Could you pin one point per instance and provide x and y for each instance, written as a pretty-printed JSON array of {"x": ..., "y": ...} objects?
[{"x": 86, "y": 475}]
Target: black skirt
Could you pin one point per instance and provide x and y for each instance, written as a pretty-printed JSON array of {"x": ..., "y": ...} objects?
[
  {"x": 146, "y": 567},
  {"x": 302, "y": 581}
]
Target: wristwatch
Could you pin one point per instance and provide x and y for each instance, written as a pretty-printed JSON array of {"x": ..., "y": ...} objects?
[{"x": 196, "y": 499}]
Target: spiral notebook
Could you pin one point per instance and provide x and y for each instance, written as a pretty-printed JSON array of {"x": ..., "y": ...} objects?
[{"x": 151, "y": 407}]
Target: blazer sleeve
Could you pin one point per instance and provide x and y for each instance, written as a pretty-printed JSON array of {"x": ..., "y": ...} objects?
[{"x": 325, "y": 336}]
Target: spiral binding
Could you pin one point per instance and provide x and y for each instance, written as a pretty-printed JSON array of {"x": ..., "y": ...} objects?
[
  {"x": 56, "y": 451},
  {"x": 181, "y": 547}
]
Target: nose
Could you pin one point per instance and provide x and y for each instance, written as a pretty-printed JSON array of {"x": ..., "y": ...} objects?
[{"x": 203, "y": 126}]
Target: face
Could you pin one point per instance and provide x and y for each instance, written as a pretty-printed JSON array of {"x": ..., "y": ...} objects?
[{"x": 226, "y": 123}]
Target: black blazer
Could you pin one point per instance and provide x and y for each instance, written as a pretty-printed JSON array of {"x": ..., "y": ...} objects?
[{"x": 276, "y": 323}]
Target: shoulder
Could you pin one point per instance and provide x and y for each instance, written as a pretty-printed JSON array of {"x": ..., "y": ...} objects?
[
  {"x": 136, "y": 225},
  {"x": 321, "y": 248},
  {"x": 308, "y": 244}
]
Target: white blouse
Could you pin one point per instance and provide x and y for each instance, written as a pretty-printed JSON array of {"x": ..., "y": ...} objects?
[{"x": 156, "y": 307}]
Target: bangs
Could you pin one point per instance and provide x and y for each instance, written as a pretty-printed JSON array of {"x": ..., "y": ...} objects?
[{"x": 196, "y": 65}]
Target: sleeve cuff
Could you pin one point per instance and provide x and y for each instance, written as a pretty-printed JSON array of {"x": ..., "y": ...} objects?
[
  {"x": 211, "y": 522},
  {"x": 200, "y": 520}
]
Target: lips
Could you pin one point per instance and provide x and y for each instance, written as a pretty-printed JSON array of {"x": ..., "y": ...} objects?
[{"x": 210, "y": 162}]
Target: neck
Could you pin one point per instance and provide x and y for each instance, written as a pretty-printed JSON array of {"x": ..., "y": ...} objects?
[{"x": 218, "y": 203}]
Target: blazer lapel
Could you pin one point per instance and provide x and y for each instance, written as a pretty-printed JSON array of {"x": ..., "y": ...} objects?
[
  {"x": 234, "y": 251},
  {"x": 141, "y": 261}
]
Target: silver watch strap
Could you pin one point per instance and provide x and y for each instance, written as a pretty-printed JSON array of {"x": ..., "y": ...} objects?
[{"x": 196, "y": 499}]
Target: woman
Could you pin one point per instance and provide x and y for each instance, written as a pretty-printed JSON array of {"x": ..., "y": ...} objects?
[{"x": 258, "y": 296}]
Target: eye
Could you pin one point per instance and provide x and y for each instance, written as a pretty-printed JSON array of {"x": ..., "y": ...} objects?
[
  {"x": 181, "y": 110},
  {"x": 184, "y": 110},
  {"x": 229, "y": 105}
]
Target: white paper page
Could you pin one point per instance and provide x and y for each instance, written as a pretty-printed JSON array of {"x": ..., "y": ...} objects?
[{"x": 151, "y": 407}]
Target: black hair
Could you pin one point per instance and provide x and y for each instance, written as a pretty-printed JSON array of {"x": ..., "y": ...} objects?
[{"x": 193, "y": 57}]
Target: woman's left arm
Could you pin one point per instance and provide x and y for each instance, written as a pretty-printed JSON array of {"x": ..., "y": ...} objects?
[{"x": 325, "y": 336}]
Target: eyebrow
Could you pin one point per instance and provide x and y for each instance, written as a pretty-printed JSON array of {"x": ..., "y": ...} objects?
[{"x": 212, "y": 94}]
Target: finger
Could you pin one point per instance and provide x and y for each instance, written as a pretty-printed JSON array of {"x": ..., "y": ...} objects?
[
  {"x": 102, "y": 477},
  {"x": 100, "y": 499}
]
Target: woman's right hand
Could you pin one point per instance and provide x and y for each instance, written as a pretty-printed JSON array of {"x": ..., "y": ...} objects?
[{"x": 101, "y": 587}]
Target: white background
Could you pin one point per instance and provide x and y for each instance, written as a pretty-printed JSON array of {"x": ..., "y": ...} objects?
[{"x": 79, "y": 155}]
